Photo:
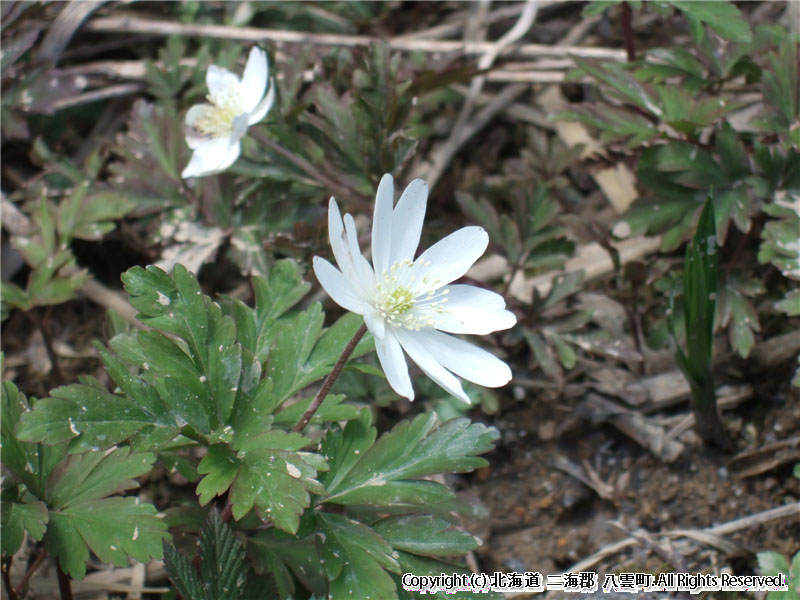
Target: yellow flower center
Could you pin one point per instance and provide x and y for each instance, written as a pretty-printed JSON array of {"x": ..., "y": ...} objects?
[
  {"x": 402, "y": 304},
  {"x": 218, "y": 117}
]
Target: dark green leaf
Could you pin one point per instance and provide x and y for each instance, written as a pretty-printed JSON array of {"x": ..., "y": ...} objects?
[
  {"x": 723, "y": 17},
  {"x": 266, "y": 472},
  {"x": 81, "y": 477},
  {"x": 355, "y": 559},
  {"x": 412, "y": 449},
  {"x": 425, "y": 535},
  {"x": 17, "y": 518},
  {"x": 115, "y": 529}
]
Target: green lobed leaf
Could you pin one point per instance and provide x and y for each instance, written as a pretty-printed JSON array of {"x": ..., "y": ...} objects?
[
  {"x": 621, "y": 83},
  {"x": 738, "y": 314},
  {"x": 114, "y": 529},
  {"x": 425, "y": 535},
  {"x": 614, "y": 124},
  {"x": 17, "y": 518},
  {"x": 265, "y": 472},
  {"x": 285, "y": 558},
  {"x": 790, "y": 303},
  {"x": 722, "y": 17},
  {"x": 82, "y": 477},
  {"x": 29, "y": 463},
  {"x": 780, "y": 85},
  {"x": 355, "y": 559},
  {"x": 93, "y": 416},
  {"x": 411, "y": 449}
]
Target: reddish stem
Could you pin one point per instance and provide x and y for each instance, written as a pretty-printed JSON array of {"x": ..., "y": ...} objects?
[
  {"x": 627, "y": 31},
  {"x": 64, "y": 586},
  {"x": 24, "y": 581},
  {"x": 329, "y": 380}
]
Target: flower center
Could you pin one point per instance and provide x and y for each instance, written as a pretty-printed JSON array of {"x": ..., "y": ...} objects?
[
  {"x": 218, "y": 117},
  {"x": 402, "y": 303}
]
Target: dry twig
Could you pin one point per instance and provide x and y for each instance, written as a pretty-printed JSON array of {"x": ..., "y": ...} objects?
[{"x": 254, "y": 34}]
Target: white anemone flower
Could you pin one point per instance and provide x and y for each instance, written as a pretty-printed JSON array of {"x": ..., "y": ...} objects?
[
  {"x": 213, "y": 130},
  {"x": 408, "y": 304}
]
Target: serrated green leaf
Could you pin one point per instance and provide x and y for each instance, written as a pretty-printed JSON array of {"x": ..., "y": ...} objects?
[
  {"x": 543, "y": 355},
  {"x": 614, "y": 124},
  {"x": 355, "y": 559},
  {"x": 732, "y": 154},
  {"x": 266, "y": 472},
  {"x": 621, "y": 82},
  {"x": 343, "y": 448},
  {"x": 738, "y": 314},
  {"x": 566, "y": 353},
  {"x": 220, "y": 468},
  {"x": 685, "y": 163},
  {"x": 425, "y": 535},
  {"x": 82, "y": 477},
  {"x": 29, "y": 463},
  {"x": 286, "y": 558},
  {"x": 280, "y": 291},
  {"x": 780, "y": 83},
  {"x": 222, "y": 560},
  {"x": 413, "y": 449},
  {"x": 423, "y": 565},
  {"x": 95, "y": 417},
  {"x": 679, "y": 62},
  {"x": 300, "y": 356},
  {"x": 182, "y": 574},
  {"x": 115, "y": 529},
  {"x": 17, "y": 518},
  {"x": 723, "y": 17},
  {"x": 790, "y": 303}
]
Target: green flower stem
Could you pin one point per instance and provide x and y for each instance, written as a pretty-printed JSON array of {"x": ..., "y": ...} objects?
[{"x": 330, "y": 379}]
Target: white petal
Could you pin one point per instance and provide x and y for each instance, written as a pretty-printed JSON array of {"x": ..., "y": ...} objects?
[
  {"x": 239, "y": 127},
  {"x": 234, "y": 149},
  {"x": 338, "y": 287},
  {"x": 195, "y": 113},
  {"x": 394, "y": 364},
  {"x": 254, "y": 79},
  {"x": 407, "y": 222},
  {"x": 471, "y": 309},
  {"x": 339, "y": 241},
  {"x": 382, "y": 225},
  {"x": 465, "y": 360},
  {"x": 451, "y": 257},
  {"x": 364, "y": 271},
  {"x": 210, "y": 156},
  {"x": 419, "y": 353},
  {"x": 375, "y": 323},
  {"x": 221, "y": 81},
  {"x": 262, "y": 108}
]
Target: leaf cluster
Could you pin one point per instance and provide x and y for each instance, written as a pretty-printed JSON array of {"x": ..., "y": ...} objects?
[
  {"x": 70, "y": 501},
  {"x": 680, "y": 110},
  {"x": 229, "y": 379},
  {"x": 66, "y": 204}
]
